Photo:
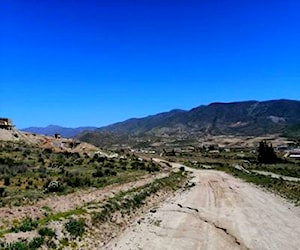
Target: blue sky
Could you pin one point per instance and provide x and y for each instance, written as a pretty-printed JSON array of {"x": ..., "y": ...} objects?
[{"x": 76, "y": 63}]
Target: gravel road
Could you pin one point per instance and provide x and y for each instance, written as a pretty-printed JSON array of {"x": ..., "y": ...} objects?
[{"x": 219, "y": 212}]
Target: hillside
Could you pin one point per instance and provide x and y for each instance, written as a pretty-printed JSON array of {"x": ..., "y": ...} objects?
[
  {"x": 237, "y": 118},
  {"x": 53, "y": 129}
]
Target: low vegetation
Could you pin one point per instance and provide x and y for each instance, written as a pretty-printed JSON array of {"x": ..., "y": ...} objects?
[
  {"x": 34, "y": 244},
  {"x": 127, "y": 202},
  {"x": 29, "y": 173},
  {"x": 28, "y": 224},
  {"x": 74, "y": 221},
  {"x": 291, "y": 169},
  {"x": 76, "y": 228},
  {"x": 46, "y": 231}
]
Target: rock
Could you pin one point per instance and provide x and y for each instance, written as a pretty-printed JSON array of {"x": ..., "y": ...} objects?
[{"x": 153, "y": 210}]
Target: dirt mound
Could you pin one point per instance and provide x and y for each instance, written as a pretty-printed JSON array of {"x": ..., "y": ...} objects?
[
  {"x": 56, "y": 144},
  {"x": 6, "y": 135}
]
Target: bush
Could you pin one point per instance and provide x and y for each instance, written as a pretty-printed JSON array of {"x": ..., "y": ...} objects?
[
  {"x": 75, "y": 227},
  {"x": 152, "y": 168},
  {"x": 25, "y": 245},
  {"x": 78, "y": 181},
  {"x": 20, "y": 245},
  {"x": 6, "y": 181},
  {"x": 46, "y": 231},
  {"x": 138, "y": 165},
  {"x": 42, "y": 170},
  {"x": 28, "y": 224},
  {"x": 36, "y": 243},
  {"x": 98, "y": 173},
  {"x": 113, "y": 173},
  {"x": 2, "y": 191},
  {"x": 109, "y": 172}
]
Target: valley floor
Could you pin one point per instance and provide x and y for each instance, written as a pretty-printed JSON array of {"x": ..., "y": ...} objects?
[{"x": 219, "y": 212}]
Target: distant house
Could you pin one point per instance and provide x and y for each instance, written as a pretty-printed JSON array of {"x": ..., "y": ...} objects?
[
  {"x": 6, "y": 123},
  {"x": 294, "y": 153}
]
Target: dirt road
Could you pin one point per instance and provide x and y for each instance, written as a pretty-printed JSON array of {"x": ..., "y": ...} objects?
[{"x": 220, "y": 212}]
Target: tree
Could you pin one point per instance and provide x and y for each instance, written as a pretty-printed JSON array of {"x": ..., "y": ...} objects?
[{"x": 266, "y": 153}]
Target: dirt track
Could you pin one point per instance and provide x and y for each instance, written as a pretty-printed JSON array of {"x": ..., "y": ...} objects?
[{"x": 220, "y": 212}]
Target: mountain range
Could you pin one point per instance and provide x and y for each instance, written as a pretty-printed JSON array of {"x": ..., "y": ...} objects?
[
  {"x": 54, "y": 129},
  {"x": 237, "y": 118}
]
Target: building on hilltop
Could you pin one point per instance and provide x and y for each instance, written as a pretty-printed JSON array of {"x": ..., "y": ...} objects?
[{"x": 6, "y": 123}]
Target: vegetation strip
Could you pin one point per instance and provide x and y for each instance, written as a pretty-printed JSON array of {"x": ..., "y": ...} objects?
[{"x": 135, "y": 198}]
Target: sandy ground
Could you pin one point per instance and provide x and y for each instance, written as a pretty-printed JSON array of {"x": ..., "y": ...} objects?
[{"x": 220, "y": 212}]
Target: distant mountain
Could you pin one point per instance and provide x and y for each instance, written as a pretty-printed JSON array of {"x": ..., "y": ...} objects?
[
  {"x": 237, "y": 118},
  {"x": 53, "y": 129}
]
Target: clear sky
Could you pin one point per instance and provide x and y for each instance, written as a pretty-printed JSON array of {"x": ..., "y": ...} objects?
[{"x": 76, "y": 63}]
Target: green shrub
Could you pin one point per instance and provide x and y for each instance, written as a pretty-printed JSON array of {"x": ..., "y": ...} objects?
[
  {"x": 36, "y": 243},
  {"x": 6, "y": 181},
  {"x": 113, "y": 173},
  {"x": 152, "y": 168},
  {"x": 46, "y": 231},
  {"x": 28, "y": 224},
  {"x": 98, "y": 173},
  {"x": 25, "y": 245},
  {"x": 17, "y": 246},
  {"x": 107, "y": 172},
  {"x": 77, "y": 181},
  {"x": 2, "y": 191},
  {"x": 75, "y": 227}
]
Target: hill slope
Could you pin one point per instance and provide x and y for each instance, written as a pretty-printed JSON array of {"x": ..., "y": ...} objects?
[{"x": 239, "y": 118}]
